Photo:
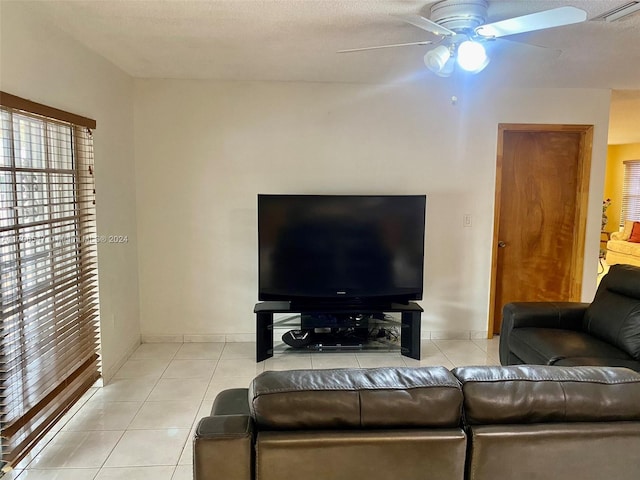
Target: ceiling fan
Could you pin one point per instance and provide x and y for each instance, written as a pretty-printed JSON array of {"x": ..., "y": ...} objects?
[{"x": 462, "y": 31}]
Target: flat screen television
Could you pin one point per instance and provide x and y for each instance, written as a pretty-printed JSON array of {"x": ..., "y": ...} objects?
[{"x": 343, "y": 249}]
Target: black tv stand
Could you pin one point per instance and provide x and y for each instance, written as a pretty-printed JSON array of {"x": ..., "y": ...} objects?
[
  {"x": 409, "y": 318},
  {"x": 326, "y": 307}
]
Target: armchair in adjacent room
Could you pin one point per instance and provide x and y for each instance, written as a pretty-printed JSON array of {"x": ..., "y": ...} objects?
[{"x": 605, "y": 332}]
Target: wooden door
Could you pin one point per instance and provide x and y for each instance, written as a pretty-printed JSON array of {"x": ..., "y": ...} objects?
[{"x": 542, "y": 181}]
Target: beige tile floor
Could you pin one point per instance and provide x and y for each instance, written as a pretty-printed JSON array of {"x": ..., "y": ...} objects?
[{"x": 139, "y": 426}]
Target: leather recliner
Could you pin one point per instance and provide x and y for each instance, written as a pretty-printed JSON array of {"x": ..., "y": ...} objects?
[
  {"x": 475, "y": 423},
  {"x": 603, "y": 333}
]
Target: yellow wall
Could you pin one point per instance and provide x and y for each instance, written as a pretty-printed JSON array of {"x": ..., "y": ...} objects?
[{"x": 614, "y": 176}]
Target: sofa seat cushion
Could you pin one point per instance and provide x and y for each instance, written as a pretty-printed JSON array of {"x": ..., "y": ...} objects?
[
  {"x": 538, "y": 394},
  {"x": 356, "y": 398},
  {"x": 626, "y": 248},
  {"x": 615, "y": 258},
  {"x": 545, "y": 346},
  {"x": 598, "y": 362}
]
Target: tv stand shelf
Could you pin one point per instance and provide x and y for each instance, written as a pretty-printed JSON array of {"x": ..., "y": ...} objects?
[{"x": 409, "y": 325}]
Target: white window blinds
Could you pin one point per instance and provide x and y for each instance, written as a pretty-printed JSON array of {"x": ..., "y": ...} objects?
[
  {"x": 48, "y": 274},
  {"x": 631, "y": 192}
]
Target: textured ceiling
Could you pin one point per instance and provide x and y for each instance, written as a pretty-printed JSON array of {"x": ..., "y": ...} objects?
[{"x": 297, "y": 40}]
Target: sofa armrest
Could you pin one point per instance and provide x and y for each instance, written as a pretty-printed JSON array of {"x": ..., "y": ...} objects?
[
  {"x": 223, "y": 448},
  {"x": 617, "y": 236},
  {"x": 562, "y": 315}
]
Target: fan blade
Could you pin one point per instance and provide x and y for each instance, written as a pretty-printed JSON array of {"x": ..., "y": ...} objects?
[
  {"x": 530, "y": 46},
  {"x": 556, "y": 17},
  {"x": 427, "y": 25},
  {"x": 426, "y": 42},
  {"x": 495, "y": 46}
]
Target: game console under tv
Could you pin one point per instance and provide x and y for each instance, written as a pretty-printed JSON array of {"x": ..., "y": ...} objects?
[{"x": 327, "y": 338}]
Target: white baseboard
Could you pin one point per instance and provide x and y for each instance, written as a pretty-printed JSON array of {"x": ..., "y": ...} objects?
[
  {"x": 479, "y": 334},
  {"x": 107, "y": 374},
  {"x": 156, "y": 338},
  {"x": 251, "y": 337},
  {"x": 241, "y": 337},
  {"x": 199, "y": 338},
  {"x": 205, "y": 338},
  {"x": 452, "y": 335}
]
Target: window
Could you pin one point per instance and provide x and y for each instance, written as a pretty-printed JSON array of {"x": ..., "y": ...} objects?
[
  {"x": 631, "y": 192},
  {"x": 48, "y": 270}
]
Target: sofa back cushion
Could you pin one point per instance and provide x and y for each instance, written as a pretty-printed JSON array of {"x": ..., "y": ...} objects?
[
  {"x": 538, "y": 394},
  {"x": 356, "y": 398},
  {"x": 614, "y": 314}
]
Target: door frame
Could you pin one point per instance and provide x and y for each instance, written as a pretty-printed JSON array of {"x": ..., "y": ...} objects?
[{"x": 582, "y": 204}]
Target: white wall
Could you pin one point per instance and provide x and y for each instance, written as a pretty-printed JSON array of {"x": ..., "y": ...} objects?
[
  {"x": 205, "y": 149},
  {"x": 41, "y": 64}
]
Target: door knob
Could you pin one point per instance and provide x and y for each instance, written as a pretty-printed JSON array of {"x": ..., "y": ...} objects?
[{"x": 501, "y": 244}]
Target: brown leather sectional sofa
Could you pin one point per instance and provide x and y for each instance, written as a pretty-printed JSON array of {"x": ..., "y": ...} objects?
[{"x": 477, "y": 423}]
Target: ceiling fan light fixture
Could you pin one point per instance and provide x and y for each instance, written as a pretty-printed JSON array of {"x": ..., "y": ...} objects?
[
  {"x": 437, "y": 59},
  {"x": 447, "y": 70},
  {"x": 462, "y": 31},
  {"x": 472, "y": 56}
]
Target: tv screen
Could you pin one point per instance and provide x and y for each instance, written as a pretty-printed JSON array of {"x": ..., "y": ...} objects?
[{"x": 341, "y": 248}]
